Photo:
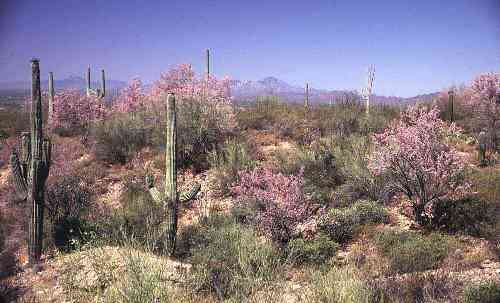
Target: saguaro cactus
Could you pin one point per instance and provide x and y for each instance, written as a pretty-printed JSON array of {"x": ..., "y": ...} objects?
[
  {"x": 207, "y": 58},
  {"x": 451, "y": 97},
  {"x": 170, "y": 197},
  {"x": 100, "y": 93},
  {"x": 31, "y": 171},
  {"x": 51, "y": 98},
  {"x": 306, "y": 101}
]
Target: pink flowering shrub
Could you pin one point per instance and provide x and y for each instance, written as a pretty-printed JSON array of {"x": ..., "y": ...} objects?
[
  {"x": 131, "y": 98},
  {"x": 74, "y": 112},
  {"x": 279, "y": 200},
  {"x": 415, "y": 155},
  {"x": 486, "y": 109},
  {"x": 205, "y": 115},
  {"x": 210, "y": 96}
]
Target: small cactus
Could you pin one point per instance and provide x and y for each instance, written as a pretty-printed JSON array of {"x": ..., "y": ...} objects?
[
  {"x": 32, "y": 170},
  {"x": 99, "y": 93},
  {"x": 170, "y": 197}
]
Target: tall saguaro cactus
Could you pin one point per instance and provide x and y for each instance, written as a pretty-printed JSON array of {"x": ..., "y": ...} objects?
[
  {"x": 367, "y": 91},
  {"x": 170, "y": 198},
  {"x": 207, "y": 58},
  {"x": 51, "y": 98},
  {"x": 32, "y": 170},
  {"x": 306, "y": 101},
  {"x": 451, "y": 97},
  {"x": 100, "y": 93}
]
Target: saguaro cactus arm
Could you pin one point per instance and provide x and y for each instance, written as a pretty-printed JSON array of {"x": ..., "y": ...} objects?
[
  {"x": 20, "y": 183},
  {"x": 99, "y": 93},
  {"x": 187, "y": 196}
]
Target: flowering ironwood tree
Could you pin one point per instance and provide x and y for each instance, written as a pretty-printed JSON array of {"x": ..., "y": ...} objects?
[
  {"x": 74, "y": 111},
  {"x": 131, "y": 98},
  {"x": 415, "y": 155},
  {"x": 205, "y": 114},
  {"x": 280, "y": 200},
  {"x": 483, "y": 102}
]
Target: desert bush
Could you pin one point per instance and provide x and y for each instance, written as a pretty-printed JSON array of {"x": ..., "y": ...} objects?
[
  {"x": 205, "y": 115},
  {"x": 68, "y": 200},
  {"x": 469, "y": 215},
  {"x": 138, "y": 217},
  {"x": 14, "y": 119},
  {"x": 120, "y": 138},
  {"x": 338, "y": 285},
  {"x": 260, "y": 115},
  {"x": 414, "y": 287},
  {"x": 279, "y": 198},
  {"x": 2, "y": 233},
  {"x": 414, "y": 155},
  {"x": 227, "y": 161},
  {"x": 341, "y": 224},
  {"x": 486, "y": 109},
  {"x": 74, "y": 112},
  {"x": 230, "y": 260},
  {"x": 319, "y": 167},
  {"x": 313, "y": 251},
  {"x": 484, "y": 292},
  {"x": 410, "y": 252}
]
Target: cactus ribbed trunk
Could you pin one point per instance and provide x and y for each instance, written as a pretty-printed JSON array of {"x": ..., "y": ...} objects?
[
  {"x": 171, "y": 175},
  {"x": 207, "y": 57},
  {"x": 39, "y": 152},
  {"x": 451, "y": 96},
  {"x": 99, "y": 93},
  {"x": 306, "y": 101},
  {"x": 171, "y": 197},
  {"x": 51, "y": 99},
  {"x": 87, "y": 80}
]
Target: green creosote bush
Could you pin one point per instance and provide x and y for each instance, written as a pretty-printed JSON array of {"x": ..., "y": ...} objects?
[
  {"x": 120, "y": 138},
  {"x": 409, "y": 252},
  {"x": 227, "y": 162},
  {"x": 231, "y": 260},
  {"x": 138, "y": 216},
  {"x": 340, "y": 224},
  {"x": 338, "y": 285},
  {"x": 313, "y": 251},
  {"x": 483, "y": 292},
  {"x": 68, "y": 202}
]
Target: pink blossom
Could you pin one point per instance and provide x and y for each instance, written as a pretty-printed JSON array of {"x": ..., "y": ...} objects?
[
  {"x": 413, "y": 152},
  {"x": 280, "y": 199}
]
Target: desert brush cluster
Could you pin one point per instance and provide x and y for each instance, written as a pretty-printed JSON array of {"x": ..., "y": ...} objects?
[{"x": 176, "y": 193}]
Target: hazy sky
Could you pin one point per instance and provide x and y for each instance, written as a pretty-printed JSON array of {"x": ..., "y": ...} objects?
[{"x": 417, "y": 46}]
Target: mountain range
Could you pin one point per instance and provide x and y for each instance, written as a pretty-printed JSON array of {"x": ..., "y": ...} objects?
[{"x": 241, "y": 90}]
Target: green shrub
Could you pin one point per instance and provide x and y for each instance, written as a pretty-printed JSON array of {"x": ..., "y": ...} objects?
[
  {"x": 139, "y": 216},
  {"x": 410, "y": 252},
  {"x": 469, "y": 215},
  {"x": 314, "y": 251},
  {"x": 414, "y": 287},
  {"x": 118, "y": 139},
  {"x": 340, "y": 224},
  {"x": 484, "y": 292},
  {"x": 321, "y": 172},
  {"x": 226, "y": 162},
  {"x": 231, "y": 260},
  {"x": 68, "y": 201},
  {"x": 338, "y": 285}
]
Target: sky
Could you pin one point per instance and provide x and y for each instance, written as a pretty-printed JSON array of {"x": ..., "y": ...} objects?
[{"x": 416, "y": 46}]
